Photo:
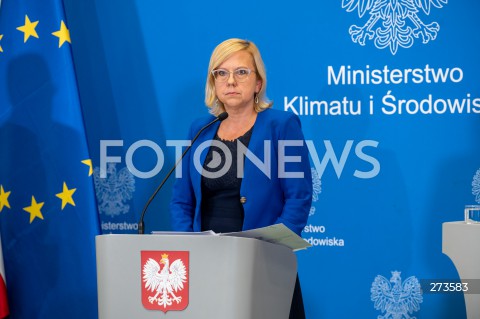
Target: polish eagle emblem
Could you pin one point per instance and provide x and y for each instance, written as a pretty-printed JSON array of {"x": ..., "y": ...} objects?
[
  {"x": 393, "y": 23},
  {"x": 166, "y": 282},
  {"x": 114, "y": 190},
  {"x": 394, "y": 298},
  {"x": 476, "y": 186},
  {"x": 316, "y": 189}
]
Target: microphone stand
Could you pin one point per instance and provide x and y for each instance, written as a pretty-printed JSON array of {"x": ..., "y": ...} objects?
[{"x": 141, "y": 223}]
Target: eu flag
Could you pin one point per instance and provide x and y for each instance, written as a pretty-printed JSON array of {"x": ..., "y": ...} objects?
[{"x": 48, "y": 216}]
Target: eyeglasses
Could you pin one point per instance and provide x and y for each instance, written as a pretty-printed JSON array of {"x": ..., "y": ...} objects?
[{"x": 240, "y": 74}]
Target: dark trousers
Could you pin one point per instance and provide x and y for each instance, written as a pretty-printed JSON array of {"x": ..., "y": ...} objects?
[{"x": 296, "y": 310}]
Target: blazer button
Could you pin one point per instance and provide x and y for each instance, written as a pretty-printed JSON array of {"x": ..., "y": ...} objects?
[{"x": 243, "y": 199}]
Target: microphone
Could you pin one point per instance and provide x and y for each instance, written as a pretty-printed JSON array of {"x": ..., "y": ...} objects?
[{"x": 141, "y": 224}]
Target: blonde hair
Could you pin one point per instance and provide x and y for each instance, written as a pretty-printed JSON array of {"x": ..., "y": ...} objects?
[{"x": 221, "y": 53}]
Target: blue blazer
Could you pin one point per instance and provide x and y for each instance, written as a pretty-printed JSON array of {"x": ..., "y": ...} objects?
[{"x": 267, "y": 200}]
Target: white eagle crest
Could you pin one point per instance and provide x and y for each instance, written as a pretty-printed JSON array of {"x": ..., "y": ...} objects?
[
  {"x": 397, "y": 22},
  {"x": 165, "y": 281},
  {"x": 476, "y": 186},
  {"x": 399, "y": 301},
  {"x": 114, "y": 190},
  {"x": 317, "y": 189}
]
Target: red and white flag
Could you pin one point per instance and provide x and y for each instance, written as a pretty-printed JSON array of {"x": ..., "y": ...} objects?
[{"x": 3, "y": 288}]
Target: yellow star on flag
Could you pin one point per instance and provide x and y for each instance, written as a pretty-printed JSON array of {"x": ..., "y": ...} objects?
[
  {"x": 88, "y": 162},
  {"x": 34, "y": 210},
  {"x": 66, "y": 196},
  {"x": 1, "y": 36},
  {"x": 28, "y": 29},
  {"x": 63, "y": 34},
  {"x": 4, "y": 198}
]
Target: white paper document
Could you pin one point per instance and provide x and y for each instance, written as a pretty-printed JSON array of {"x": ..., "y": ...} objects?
[
  {"x": 277, "y": 234},
  {"x": 207, "y": 232}
]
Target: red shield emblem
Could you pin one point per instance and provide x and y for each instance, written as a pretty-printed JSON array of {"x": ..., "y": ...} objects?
[{"x": 165, "y": 280}]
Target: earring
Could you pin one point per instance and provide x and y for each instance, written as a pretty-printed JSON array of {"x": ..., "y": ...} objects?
[
  {"x": 256, "y": 98},
  {"x": 216, "y": 103}
]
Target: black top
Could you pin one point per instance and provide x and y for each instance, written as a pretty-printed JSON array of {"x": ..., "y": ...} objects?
[{"x": 221, "y": 209}]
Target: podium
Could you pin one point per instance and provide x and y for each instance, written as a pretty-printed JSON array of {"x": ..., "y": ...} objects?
[
  {"x": 226, "y": 277},
  {"x": 460, "y": 243}
]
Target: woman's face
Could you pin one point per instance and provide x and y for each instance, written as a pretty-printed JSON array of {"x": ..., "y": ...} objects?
[{"x": 235, "y": 94}]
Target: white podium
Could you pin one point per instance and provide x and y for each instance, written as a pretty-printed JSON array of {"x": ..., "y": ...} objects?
[
  {"x": 228, "y": 277},
  {"x": 461, "y": 242}
]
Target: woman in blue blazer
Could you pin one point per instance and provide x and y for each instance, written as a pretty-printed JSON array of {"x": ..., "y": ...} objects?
[
  {"x": 266, "y": 200},
  {"x": 250, "y": 170}
]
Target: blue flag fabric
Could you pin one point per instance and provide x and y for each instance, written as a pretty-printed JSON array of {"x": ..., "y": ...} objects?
[{"x": 48, "y": 212}]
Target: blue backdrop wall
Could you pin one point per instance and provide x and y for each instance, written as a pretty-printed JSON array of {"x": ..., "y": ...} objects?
[{"x": 389, "y": 102}]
